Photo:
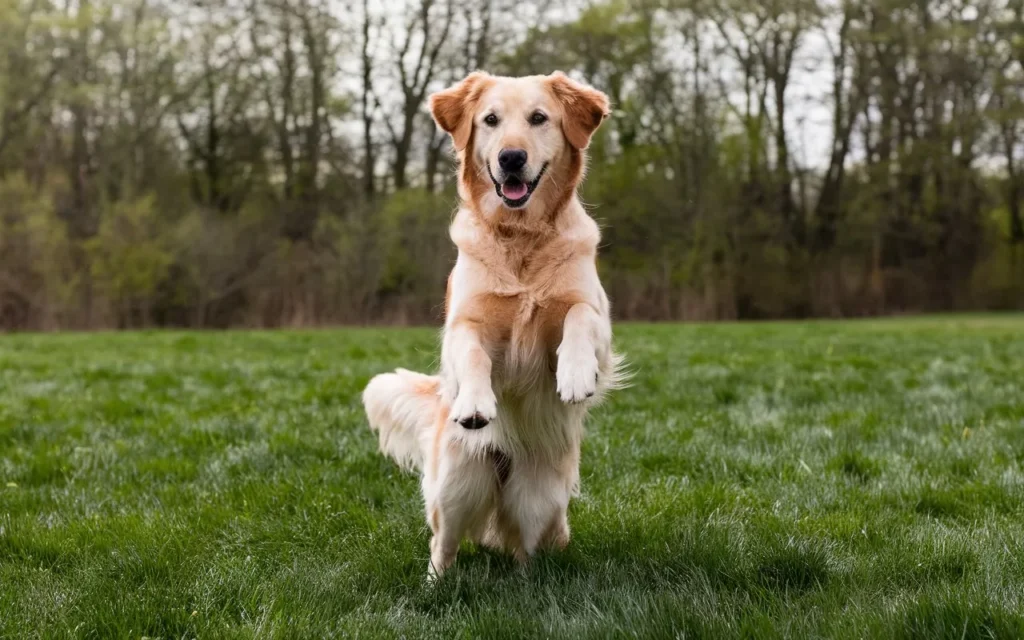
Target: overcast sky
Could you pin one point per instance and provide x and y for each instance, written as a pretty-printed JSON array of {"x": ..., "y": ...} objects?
[{"x": 808, "y": 97}]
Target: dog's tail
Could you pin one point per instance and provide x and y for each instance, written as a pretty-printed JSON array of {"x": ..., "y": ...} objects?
[{"x": 403, "y": 407}]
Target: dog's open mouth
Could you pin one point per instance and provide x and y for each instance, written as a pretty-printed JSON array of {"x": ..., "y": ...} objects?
[{"x": 513, "y": 191}]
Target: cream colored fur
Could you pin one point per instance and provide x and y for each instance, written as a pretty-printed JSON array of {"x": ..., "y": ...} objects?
[{"x": 527, "y": 342}]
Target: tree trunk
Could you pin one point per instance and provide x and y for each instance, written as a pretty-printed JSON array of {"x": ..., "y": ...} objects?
[{"x": 369, "y": 161}]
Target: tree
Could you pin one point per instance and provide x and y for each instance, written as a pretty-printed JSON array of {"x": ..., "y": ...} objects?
[
  {"x": 30, "y": 63},
  {"x": 416, "y": 64}
]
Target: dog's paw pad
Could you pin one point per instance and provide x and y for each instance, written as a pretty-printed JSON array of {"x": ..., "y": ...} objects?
[
  {"x": 475, "y": 421},
  {"x": 474, "y": 410}
]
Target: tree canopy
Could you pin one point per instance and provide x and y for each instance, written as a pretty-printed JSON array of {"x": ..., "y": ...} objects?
[{"x": 272, "y": 162}]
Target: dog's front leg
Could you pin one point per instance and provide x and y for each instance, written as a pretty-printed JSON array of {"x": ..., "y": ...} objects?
[
  {"x": 470, "y": 365},
  {"x": 586, "y": 338}
]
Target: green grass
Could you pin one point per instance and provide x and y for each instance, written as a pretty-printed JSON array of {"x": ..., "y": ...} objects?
[{"x": 850, "y": 480}]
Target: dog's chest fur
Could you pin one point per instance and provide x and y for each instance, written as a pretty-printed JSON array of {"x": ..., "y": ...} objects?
[
  {"x": 523, "y": 305},
  {"x": 515, "y": 289}
]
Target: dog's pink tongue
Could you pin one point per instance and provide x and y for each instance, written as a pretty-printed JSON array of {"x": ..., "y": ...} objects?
[{"x": 513, "y": 191}]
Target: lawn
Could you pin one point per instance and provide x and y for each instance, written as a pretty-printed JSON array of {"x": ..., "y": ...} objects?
[{"x": 851, "y": 480}]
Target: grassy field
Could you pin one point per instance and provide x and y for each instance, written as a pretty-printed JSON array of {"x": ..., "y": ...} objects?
[{"x": 850, "y": 480}]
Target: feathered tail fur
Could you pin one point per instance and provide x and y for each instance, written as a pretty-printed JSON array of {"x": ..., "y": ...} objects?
[{"x": 403, "y": 408}]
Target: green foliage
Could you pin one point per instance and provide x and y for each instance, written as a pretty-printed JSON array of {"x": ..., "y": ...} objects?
[
  {"x": 38, "y": 278},
  {"x": 238, "y": 163},
  {"x": 416, "y": 250},
  {"x": 828, "y": 480},
  {"x": 127, "y": 256},
  {"x": 413, "y": 227},
  {"x": 998, "y": 278}
]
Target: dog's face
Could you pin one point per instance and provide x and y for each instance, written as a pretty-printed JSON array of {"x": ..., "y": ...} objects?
[
  {"x": 516, "y": 131},
  {"x": 517, "y": 137}
]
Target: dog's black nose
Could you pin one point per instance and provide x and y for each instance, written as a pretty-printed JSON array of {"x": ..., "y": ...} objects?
[{"x": 512, "y": 159}]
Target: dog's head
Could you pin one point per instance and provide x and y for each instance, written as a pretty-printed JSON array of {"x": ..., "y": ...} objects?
[{"x": 513, "y": 134}]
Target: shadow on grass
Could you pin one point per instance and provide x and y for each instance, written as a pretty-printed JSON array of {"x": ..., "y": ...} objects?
[{"x": 598, "y": 565}]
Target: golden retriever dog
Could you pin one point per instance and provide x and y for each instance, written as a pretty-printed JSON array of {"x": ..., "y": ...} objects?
[{"x": 527, "y": 342}]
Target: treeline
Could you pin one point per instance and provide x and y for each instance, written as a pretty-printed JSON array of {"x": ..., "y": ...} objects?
[{"x": 271, "y": 162}]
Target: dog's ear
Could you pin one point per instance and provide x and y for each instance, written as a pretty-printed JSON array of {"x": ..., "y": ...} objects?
[
  {"x": 584, "y": 108},
  {"x": 453, "y": 108}
]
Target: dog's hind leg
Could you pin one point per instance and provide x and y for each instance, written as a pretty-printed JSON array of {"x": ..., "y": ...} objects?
[
  {"x": 557, "y": 534},
  {"x": 536, "y": 498},
  {"x": 459, "y": 497}
]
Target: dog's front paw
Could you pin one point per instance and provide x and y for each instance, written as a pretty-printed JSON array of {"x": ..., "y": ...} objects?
[
  {"x": 576, "y": 377},
  {"x": 474, "y": 409}
]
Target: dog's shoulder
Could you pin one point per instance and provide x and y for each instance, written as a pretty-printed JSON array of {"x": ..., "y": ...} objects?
[
  {"x": 466, "y": 231},
  {"x": 577, "y": 230},
  {"x": 482, "y": 265}
]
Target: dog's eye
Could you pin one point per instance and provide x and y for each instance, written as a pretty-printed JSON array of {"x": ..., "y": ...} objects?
[
  {"x": 491, "y": 120},
  {"x": 538, "y": 118}
]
